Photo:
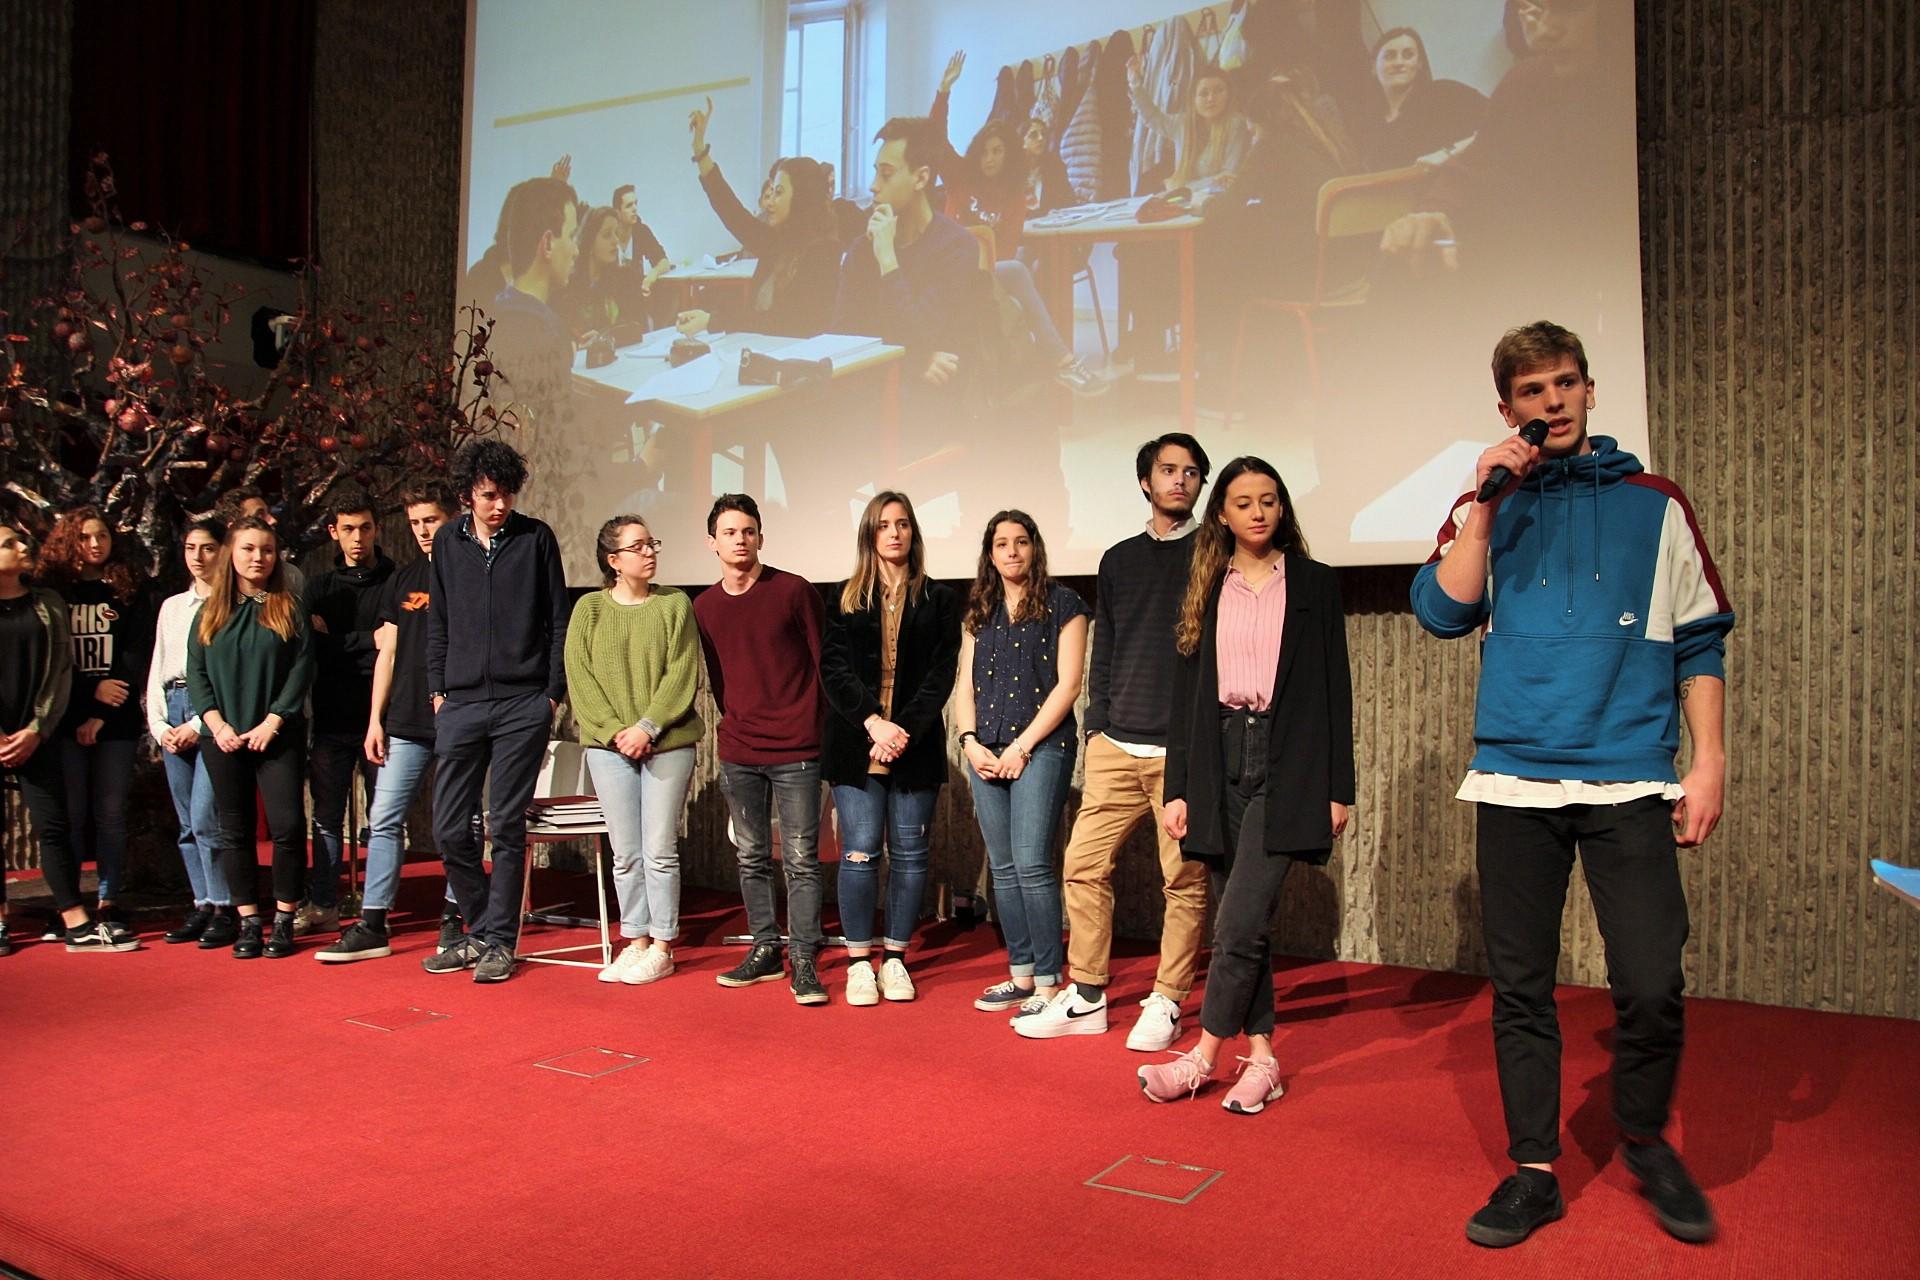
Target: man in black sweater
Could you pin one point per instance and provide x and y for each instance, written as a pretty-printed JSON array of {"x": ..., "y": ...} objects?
[
  {"x": 344, "y": 606},
  {"x": 914, "y": 277},
  {"x": 496, "y": 640},
  {"x": 1141, "y": 584}
]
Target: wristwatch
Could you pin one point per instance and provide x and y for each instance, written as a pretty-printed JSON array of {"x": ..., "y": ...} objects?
[{"x": 703, "y": 153}]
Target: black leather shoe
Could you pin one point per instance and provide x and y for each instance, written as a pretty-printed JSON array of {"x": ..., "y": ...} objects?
[
  {"x": 192, "y": 927},
  {"x": 247, "y": 946},
  {"x": 280, "y": 940},
  {"x": 1676, "y": 1198},
  {"x": 221, "y": 930},
  {"x": 1526, "y": 1200}
]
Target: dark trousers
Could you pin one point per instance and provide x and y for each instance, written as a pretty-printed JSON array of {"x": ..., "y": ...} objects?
[
  {"x": 752, "y": 792},
  {"x": 332, "y": 763},
  {"x": 1246, "y": 889},
  {"x": 1627, "y": 852},
  {"x": 45, "y": 795},
  {"x": 493, "y": 746},
  {"x": 277, "y": 776}
]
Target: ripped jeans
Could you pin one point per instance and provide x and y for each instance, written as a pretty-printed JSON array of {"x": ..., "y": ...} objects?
[{"x": 870, "y": 815}]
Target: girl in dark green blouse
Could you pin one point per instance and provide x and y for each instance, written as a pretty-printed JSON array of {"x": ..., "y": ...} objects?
[{"x": 249, "y": 664}]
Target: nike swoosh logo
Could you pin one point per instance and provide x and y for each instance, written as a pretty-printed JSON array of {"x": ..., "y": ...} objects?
[{"x": 1083, "y": 1013}]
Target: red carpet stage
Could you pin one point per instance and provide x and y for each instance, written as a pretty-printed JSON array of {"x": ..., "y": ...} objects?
[{"x": 175, "y": 1113}]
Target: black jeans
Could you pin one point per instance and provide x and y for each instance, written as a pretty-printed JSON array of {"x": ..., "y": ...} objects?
[
  {"x": 331, "y": 764},
  {"x": 45, "y": 795},
  {"x": 278, "y": 777},
  {"x": 752, "y": 791},
  {"x": 494, "y": 746},
  {"x": 1627, "y": 852},
  {"x": 1239, "y": 996}
]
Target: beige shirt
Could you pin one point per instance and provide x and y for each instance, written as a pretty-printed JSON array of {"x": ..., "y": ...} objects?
[{"x": 892, "y": 602}]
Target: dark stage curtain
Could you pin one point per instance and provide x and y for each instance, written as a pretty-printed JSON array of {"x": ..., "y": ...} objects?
[{"x": 205, "y": 108}]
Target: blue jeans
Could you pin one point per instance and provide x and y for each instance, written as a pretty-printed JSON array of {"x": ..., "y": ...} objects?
[
  {"x": 1014, "y": 276},
  {"x": 869, "y": 816},
  {"x": 643, "y": 800},
  {"x": 192, "y": 792},
  {"x": 393, "y": 795},
  {"x": 97, "y": 778},
  {"x": 752, "y": 792},
  {"x": 1017, "y": 820}
]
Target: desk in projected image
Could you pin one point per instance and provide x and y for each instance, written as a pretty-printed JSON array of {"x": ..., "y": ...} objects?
[
  {"x": 718, "y": 414},
  {"x": 1055, "y": 234}
]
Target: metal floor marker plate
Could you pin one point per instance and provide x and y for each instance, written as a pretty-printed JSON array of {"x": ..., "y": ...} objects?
[
  {"x": 397, "y": 1019},
  {"x": 1166, "y": 1180},
  {"x": 591, "y": 1063}
]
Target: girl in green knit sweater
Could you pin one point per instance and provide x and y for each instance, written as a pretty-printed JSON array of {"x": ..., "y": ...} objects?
[{"x": 633, "y": 663}]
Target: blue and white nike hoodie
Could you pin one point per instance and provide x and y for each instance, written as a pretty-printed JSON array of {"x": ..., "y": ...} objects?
[{"x": 1601, "y": 598}]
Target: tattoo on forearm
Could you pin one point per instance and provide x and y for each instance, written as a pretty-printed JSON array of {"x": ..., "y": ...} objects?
[{"x": 1686, "y": 687}]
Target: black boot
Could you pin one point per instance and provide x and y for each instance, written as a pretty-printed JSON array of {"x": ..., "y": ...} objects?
[
  {"x": 192, "y": 927},
  {"x": 248, "y": 946},
  {"x": 221, "y": 930},
  {"x": 280, "y": 937}
]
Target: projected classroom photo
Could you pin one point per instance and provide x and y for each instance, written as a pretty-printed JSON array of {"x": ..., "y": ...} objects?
[{"x": 978, "y": 252}]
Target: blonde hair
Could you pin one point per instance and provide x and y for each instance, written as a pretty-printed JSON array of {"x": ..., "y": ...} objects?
[
  {"x": 864, "y": 583},
  {"x": 278, "y": 615}
]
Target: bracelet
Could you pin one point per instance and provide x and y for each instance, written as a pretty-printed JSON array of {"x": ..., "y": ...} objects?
[
  {"x": 1024, "y": 753},
  {"x": 964, "y": 734},
  {"x": 703, "y": 153}
]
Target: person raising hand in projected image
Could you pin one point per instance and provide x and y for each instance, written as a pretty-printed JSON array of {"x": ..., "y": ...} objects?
[
  {"x": 794, "y": 242},
  {"x": 914, "y": 277}
]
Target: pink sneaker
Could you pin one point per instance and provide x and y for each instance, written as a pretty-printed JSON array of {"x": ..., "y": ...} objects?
[
  {"x": 1168, "y": 1081},
  {"x": 1259, "y": 1084}
]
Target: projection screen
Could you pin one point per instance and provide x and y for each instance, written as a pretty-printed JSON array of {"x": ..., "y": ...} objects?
[{"x": 1259, "y": 223}]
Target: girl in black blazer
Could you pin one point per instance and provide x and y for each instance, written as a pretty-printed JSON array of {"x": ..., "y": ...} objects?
[
  {"x": 1259, "y": 755},
  {"x": 887, "y": 664}
]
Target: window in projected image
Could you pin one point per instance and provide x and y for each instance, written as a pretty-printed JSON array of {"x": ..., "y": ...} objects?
[
  {"x": 1287, "y": 228},
  {"x": 813, "y": 103}
]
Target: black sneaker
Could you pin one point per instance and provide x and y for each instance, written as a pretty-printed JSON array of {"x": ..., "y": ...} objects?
[
  {"x": 1525, "y": 1200},
  {"x": 247, "y": 945},
  {"x": 452, "y": 929},
  {"x": 56, "y": 931},
  {"x": 361, "y": 941},
  {"x": 807, "y": 987},
  {"x": 463, "y": 954},
  {"x": 495, "y": 963},
  {"x": 6, "y": 941},
  {"x": 280, "y": 939},
  {"x": 96, "y": 936},
  {"x": 109, "y": 915},
  {"x": 761, "y": 965},
  {"x": 1676, "y": 1198},
  {"x": 192, "y": 927},
  {"x": 221, "y": 931}
]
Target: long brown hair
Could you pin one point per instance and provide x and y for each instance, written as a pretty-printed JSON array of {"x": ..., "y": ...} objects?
[
  {"x": 1200, "y": 134},
  {"x": 278, "y": 615},
  {"x": 988, "y": 591},
  {"x": 60, "y": 564},
  {"x": 1213, "y": 546},
  {"x": 863, "y": 585}
]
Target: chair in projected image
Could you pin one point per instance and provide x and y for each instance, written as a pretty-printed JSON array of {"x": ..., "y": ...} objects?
[
  {"x": 828, "y": 849},
  {"x": 1361, "y": 204}
]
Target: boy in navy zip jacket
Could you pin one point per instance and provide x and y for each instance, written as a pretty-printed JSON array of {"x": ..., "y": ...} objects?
[
  {"x": 496, "y": 645},
  {"x": 1603, "y": 623}
]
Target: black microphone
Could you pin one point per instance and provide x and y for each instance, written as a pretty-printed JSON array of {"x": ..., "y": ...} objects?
[{"x": 1535, "y": 434}]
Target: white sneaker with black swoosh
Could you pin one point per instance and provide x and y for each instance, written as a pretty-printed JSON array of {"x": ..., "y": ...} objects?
[{"x": 1065, "y": 1015}]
